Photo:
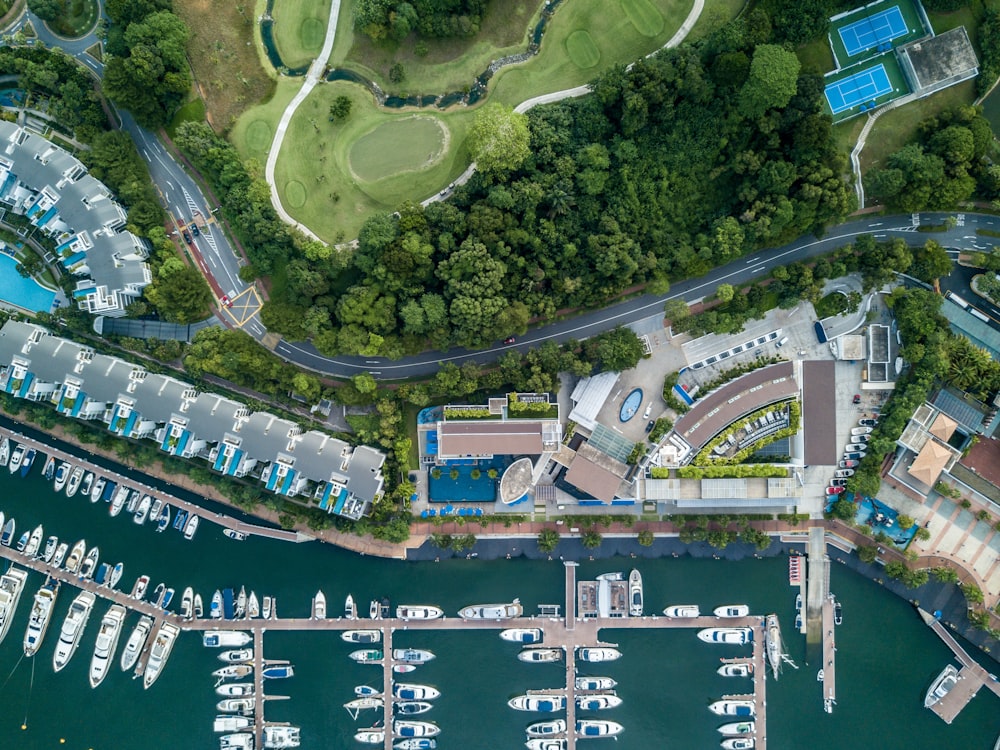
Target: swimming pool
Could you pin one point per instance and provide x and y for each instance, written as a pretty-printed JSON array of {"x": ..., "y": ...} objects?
[{"x": 27, "y": 294}]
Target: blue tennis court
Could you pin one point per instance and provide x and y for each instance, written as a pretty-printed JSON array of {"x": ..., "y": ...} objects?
[
  {"x": 860, "y": 87},
  {"x": 873, "y": 31}
]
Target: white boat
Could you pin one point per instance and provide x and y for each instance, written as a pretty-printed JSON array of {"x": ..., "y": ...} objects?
[
  {"x": 405, "y": 691},
  {"x": 361, "y": 636},
  {"x": 412, "y": 708},
  {"x": 683, "y": 610},
  {"x": 4, "y": 450},
  {"x": 72, "y": 629},
  {"x": 237, "y": 536},
  {"x": 280, "y": 736},
  {"x": 549, "y": 743},
  {"x": 594, "y": 683},
  {"x": 133, "y": 502},
  {"x": 591, "y": 654},
  {"x": 107, "y": 643},
  {"x": 360, "y": 690},
  {"x": 372, "y": 736},
  {"x": 187, "y": 603},
  {"x": 159, "y": 653},
  {"x": 492, "y": 611},
  {"x": 241, "y": 603},
  {"x": 8, "y": 532},
  {"x": 231, "y": 723},
  {"x": 73, "y": 485},
  {"x": 733, "y": 708},
  {"x": 49, "y": 471},
  {"x": 237, "y": 741},
  {"x": 732, "y": 610},
  {"x": 546, "y": 728},
  {"x": 225, "y": 638},
  {"x": 23, "y": 541},
  {"x": 62, "y": 476},
  {"x": 253, "y": 605},
  {"x": 416, "y": 743},
  {"x": 59, "y": 555},
  {"x": 50, "y": 547},
  {"x": 142, "y": 510},
  {"x": 542, "y": 702},
  {"x": 98, "y": 489},
  {"x": 233, "y": 672},
  {"x": 598, "y": 728},
  {"x": 740, "y": 669},
  {"x": 350, "y": 610},
  {"x": 75, "y": 559},
  {"x": 522, "y": 635},
  {"x": 215, "y": 607},
  {"x": 118, "y": 501},
  {"x": 140, "y": 586},
  {"x": 736, "y": 728},
  {"x": 635, "y": 593},
  {"x": 41, "y": 611},
  {"x": 237, "y": 655},
  {"x": 403, "y": 668},
  {"x": 540, "y": 655},
  {"x": 418, "y": 612},
  {"x": 90, "y": 563},
  {"x": 403, "y": 728},
  {"x": 235, "y": 690},
  {"x": 731, "y": 636},
  {"x": 199, "y": 609},
  {"x": 34, "y": 542},
  {"x": 135, "y": 643},
  {"x": 364, "y": 703},
  {"x": 163, "y": 519},
  {"x": 375, "y": 610},
  {"x": 597, "y": 702},
  {"x": 412, "y": 655},
  {"x": 191, "y": 526},
  {"x": 772, "y": 641},
  {"x": 941, "y": 686},
  {"x": 16, "y": 456},
  {"x": 738, "y": 743},
  {"x": 87, "y": 484},
  {"x": 319, "y": 606},
  {"x": 278, "y": 672},
  {"x": 237, "y": 705},
  {"x": 367, "y": 656},
  {"x": 154, "y": 509},
  {"x": 11, "y": 585}
]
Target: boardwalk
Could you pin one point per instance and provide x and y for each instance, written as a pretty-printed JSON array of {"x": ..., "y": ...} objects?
[{"x": 566, "y": 632}]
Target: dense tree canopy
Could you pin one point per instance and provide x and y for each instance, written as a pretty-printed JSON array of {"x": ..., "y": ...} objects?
[
  {"x": 499, "y": 139},
  {"x": 395, "y": 19}
]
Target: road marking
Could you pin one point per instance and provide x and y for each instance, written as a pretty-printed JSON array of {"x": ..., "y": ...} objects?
[
  {"x": 758, "y": 270},
  {"x": 876, "y": 224},
  {"x": 752, "y": 260}
]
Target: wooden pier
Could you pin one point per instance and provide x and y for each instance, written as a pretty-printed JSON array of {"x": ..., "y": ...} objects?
[
  {"x": 566, "y": 632},
  {"x": 829, "y": 656},
  {"x": 227, "y": 522},
  {"x": 971, "y": 677}
]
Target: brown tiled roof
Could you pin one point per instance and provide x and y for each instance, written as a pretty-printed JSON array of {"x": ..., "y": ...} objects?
[
  {"x": 930, "y": 462},
  {"x": 596, "y": 474},
  {"x": 486, "y": 437},
  {"x": 943, "y": 427}
]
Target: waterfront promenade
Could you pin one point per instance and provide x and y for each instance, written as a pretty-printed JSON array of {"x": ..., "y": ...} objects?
[{"x": 566, "y": 632}]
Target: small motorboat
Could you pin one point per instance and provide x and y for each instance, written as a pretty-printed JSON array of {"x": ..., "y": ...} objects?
[
  {"x": 738, "y": 743},
  {"x": 48, "y": 471},
  {"x": 235, "y": 690},
  {"x": 319, "y": 606},
  {"x": 546, "y": 728},
  {"x": 360, "y": 690},
  {"x": 60, "y": 555},
  {"x": 154, "y": 510},
  {"x": 187, "y": 603},
  {"x": 412, "y": 708},
  {"x": 682, "y": 610},
  {"x": 163, "y": 521},
  {"x": 732, "y": 610},
  {"x": 23, "y": 541},
  {"x": 415, "y": 728},
  {"x": 199, "y": 609},
  {"x": 594, "y": 683},
  {"x": 8, "y": 532},
  {"x": 522, "y": 635},
  {"x": 233, "y": 672},
  {"x": 367, "y": 656},
  {"x": 115, "y": 575},
  {"x": 237, "y": 656},
  {"x": 62, "y": 476},
  {"x": 253, "y": 605},
  {"x": 540, "y": 655},
  {"x": 158, "y": 593},
  {"x": 278, "y": 671},
  {"x": 597, "y": 702},
  {"x": 34, "y": 541},
  {"x": 190, "y": 526},
  {"x": 97, "y": 491},
  {"x": 237, "y": 536},
  {"x": 101, "y": 576},
  {"x": 372, "y": 736},
  {"x": 739, "y": 669},
  {"x": 86, "y": 484},
  {"x": 404, "y": 668},
  {"x": 350, "y": 611},
  {"x": 73, "y": 485},
  {"x": 139, "y": 589},
  {"x": 241, "y": 602},
  {"x": 89, "y": 566},
  {"x": 412, "y": 655},
  {"x": 142, "y": 510},
  {"x": 265, "y": 611},
  {"x": 50, "y": 548},
  {"x": 736, "y": 728},
  {"x": 416, "y": 743},
  {"x": 418, "y": 612},
  {"x": 361, "y": 636},
  {"x": 215, "y": 608},
  {"x": 75, "y": 559},
  {"x": 592, "y": 654}
]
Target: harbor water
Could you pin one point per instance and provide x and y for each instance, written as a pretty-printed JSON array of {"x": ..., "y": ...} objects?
[{"x": 886, "y": 657}]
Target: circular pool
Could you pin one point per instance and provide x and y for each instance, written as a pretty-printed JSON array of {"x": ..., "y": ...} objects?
[{"x": 630, "y": 405}]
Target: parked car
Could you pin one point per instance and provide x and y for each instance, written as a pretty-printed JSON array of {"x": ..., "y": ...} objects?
[
  {"x": 187, "y": 237},
  {"x": 855, "y": 447},
  {"x": 834, "y": 490},
  {"x": 226, "y": 301},
  {"x": 853, "y": 455},
  {"x": 847, "y": 464},
  {"x": 838, "y": 482},
  {"x": 867, "y": 422},
  {"x": 857, "y": 398},
  {"x": 649, "y": 425}
]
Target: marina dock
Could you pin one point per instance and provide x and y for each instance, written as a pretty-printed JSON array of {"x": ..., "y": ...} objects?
[
  {"x": 566, "y": 632},
  {"x": 971, "y": 677},
  {"x": 819, "y": 619}
]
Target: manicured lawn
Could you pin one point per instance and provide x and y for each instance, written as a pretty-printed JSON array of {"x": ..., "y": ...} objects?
[
  {"x": 193, "y": 111},
  {"x": 716, "y": 14},
  {"x": 581, "y": 49},
  {"x": 299, "y": 29},
  {"x": 832, "y": 304},
  {"x": 644, "y": 17},
  {"x": 319, "y": 155},
  {"x": 816, "y": 56},
  {"x": 253, "y": 132},
  {"x": 77, "y": 18},
  {"x": 409, "y": 144}
]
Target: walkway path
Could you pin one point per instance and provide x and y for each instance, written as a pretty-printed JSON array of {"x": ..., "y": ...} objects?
[{"x": 313, "y": 76}]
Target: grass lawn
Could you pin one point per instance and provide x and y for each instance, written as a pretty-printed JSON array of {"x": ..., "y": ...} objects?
[
  {"x": 77, "y": 18},
  {"x": 315, "y": 165},
  {"x": 253, "y": 132},
  {"x": 895, "y": 128},
  {"x": 816, "y": 56},
  {"x": 832, "y": 304},
  {"x": 991, "y": 110},
  {"x": 193, "y": 111},
  {"x": 715, "y": 15},
  {"x": 299, "y": 29},
  {"x": 223, "y": 54},
  {"x": 619, "y": 37}
]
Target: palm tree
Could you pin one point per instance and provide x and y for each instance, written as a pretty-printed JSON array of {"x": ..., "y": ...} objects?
[{"x": 548, "y": 540}]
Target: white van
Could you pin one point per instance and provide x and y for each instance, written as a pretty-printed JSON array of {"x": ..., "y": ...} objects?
[{"x": 782, "y": 341}]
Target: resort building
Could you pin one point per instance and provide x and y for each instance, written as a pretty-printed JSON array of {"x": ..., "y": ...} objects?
[
  {"x": 188, "y": 423},
  {"x": 53, "y": 189}
]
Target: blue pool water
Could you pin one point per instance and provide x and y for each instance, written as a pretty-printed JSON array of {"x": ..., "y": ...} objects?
[
  {"x": 25, "y": 293},
  {"x": 630, "y": 405},
  {"x": 880, "y": 517},
  {"x": 465, "y": 488}
]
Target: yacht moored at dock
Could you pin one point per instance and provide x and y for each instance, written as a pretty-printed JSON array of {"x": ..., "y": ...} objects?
[
  {"x": 72, "y": 628},
  {"x": 136, "y": 642},
  {"x": 75, "y": 478},
  {"x": 591, "y": 654},
  {"x": 233, "y": 672},
  {"x": 225, "y": 638},
  {"x": 89, "y": 565},
  {"x": 739, "y": 669},
  {"x": 142, "y": 510},
  {"x": 237, "y": 705},
  {"x": 350, "y": 610},
  {"x": 62, "y": 476},
  {"x": 731, "y": 636},
  {"x": 492, "y": 611},
  {"x": 371, "y": 736},
  {"x": 941, "y": 686},
  {"x": 8, "y": 532},
  {"x": 412, "y": 655},
  {"x": 594, "y": 683},
  {"x": 75, "y": 559},
  {"x": 231, "y": 723},
  {"x": 546, "y": 743},
  {"x": 41, "y": 614},
  {"x": 50, "y": 548},
  {"x": 281, "y": 736},
  {"x": 733, "y": 708},
  {"x": 59, "y": 555},
  {"x": 597, "y": 702},
  {"x": 403, "y": 728},
  {"x": 87, "y": 484},
  {"x": 367, "y": 656},
  {"x": 97, "y": 489},
  {"x": 772, "y": 640},
  {"x": 190, "y": 526},
  {"x": 11, "y": 585},
  {"x": 522, "y": 635},
  {"x": 4, "y": 450},
  {"x": 159, "y": 653},
  {"x": 34, "y": 541},
  {"x": 410, "y": 692},
  {"x": 738, "y": 743},
  {"x": 278, "y": 672},
  {"x": 319, "y": 606},
  {"x": 49, "y": 469},
  {"x": 412, "y": 708},
  {"x": 187, "y": 603},
  {"x": 542, "y": 702},
  {"x": 635, "y": 593},
  {"x": 546, "y": 728},
  {"x": 416, "y": 743},
  {"x": 27, "y": 461},
  {"x": 418, "y": 612},
  {"x": 107, "y": 643},
  {"x": 16, "y": 456},
  {"x": 732, "y": 610},
  {"x": 139, "y": 589},
  {"x": 683, "y": 610},
  {"x": 736, "y": 728},
  {"x": 361, "y": 636},
  {"x": 540, "y": 655},
  {"x": 598, "y": 728}
]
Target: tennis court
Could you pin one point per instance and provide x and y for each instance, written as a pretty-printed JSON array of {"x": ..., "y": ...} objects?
[
  {"x": 873, "y": 31},
  {"x": 858, "y": 88}
]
